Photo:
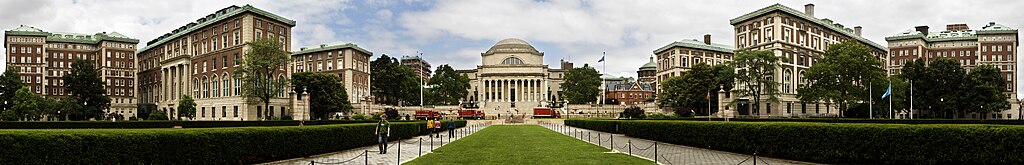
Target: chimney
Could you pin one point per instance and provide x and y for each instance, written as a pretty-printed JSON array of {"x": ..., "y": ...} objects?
[
  {"x": 809, "y": 9},
  {"x": 856, "y": 30},
  {"x": 707, "y": 39},
  {"x": 922, "y": 29}
]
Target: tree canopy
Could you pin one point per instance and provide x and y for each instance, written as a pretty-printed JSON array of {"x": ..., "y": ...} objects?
[
  {"x": 326, "y": 94},
  {"x": 447, "y": 86},
  {"x": 754, "y": 73},
  {"x": 692, "y": 91},
  {"x": 841, "y": 76},
  {"x": 10, "y": 82},
  {"x": 84, "y": 84},
  {"x": 393, "y": 83},
  {"x": 581, "y": 85},
  {"x": 262, "y": 72},
  {"x": 186, "y": 107}
]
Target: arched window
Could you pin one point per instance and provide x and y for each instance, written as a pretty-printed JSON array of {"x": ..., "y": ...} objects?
[
  {"x": 195, "y": 88},
  {"x": 226, "y": 83},
  {"x": 282, "y": 89},
  {"x": 216, "y": 86},
  {"x": 512, "y": 61},
  {"x": 787, "y": 79},
  {"x": 206, "y": 88}
]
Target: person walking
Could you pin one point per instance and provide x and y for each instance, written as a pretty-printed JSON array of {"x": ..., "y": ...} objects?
[
  {"x": 437, "y": 127},
  {"x": 430, "y": 126},
  {"x": 451, "y": 128},
  {"x": 383, "y": 132}
]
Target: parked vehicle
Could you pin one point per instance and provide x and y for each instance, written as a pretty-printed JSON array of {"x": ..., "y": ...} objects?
[
  {"x": 545, "y": 112},
  {"x": 424, "y": 114}
]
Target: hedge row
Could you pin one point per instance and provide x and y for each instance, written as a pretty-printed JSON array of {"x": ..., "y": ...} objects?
[
  {"x": 165, "y": 124},
  {"x": 838, "y": 143},
  {"x": 240, "y": 145},
  {"x": 862, "y": 120}
]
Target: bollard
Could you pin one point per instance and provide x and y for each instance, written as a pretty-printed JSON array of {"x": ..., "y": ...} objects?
[
  {"x": 655, "y": 151},
  {"x": 628, "y": 145},
  {"x": 599, "y": 139},
  {"x": 611, "y": 138},
  {"x": 588, "y": 136},
  {"x": 421, "y": 146},
  {"x": 400, "y": 149},
  {"x": 312, "y": 162},
  {"x": 431, "y": 143},
  {"x": 755, "y": 158},
  {"x": 366, "y": 156}
]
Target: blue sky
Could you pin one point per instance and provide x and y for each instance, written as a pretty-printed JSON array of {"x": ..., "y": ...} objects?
[{"x": 455, "y": 32}]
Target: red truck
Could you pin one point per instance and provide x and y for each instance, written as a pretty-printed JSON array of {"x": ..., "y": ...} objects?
[
  {"x": 424, "y": 114},
  {"x": 545, "y": 112},
  {"x": 471, "y": 114}
]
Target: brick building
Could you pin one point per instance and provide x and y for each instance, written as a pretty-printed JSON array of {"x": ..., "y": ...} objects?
[
  {"x": 197, "y": 59},
  {"x": 418, "y": 65},
  {"x": 42, "y": 58},
  {"x": 349, "y": 61},
  {"x": 677, "y": 57},
  {"x": 800, "y": 37},
  {"x": 994, "y": 44}
]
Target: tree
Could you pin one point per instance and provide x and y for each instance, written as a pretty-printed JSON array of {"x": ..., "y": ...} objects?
[
  {"x": 755, "y": 70},
  {"x": 186, "y": 107},
  {"x": 691, "y": 92},
  {"x": 327, "y": 94},
  {"x": 10, "y": 82},
  {"x": 392, "y": 83},
  {"x": 26, "y": 106},
  {"x": 841, "y": 76},
  {"x": 262, "y": 72},
  {"x": 914, "y": 72},
  {"x": 447, "y": 86},
  {"x": 581, "y": 85},
  {"x": 900, "y": 95},
  {"x": 984, "y": 90},
  {"x": 947, "y": 77},
  {"x": 157, "y": 115},
  {"x": 84, "y": 84}
]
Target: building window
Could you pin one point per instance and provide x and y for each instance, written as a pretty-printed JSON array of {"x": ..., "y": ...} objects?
[
  {"x": 512, "y": 61},
  {"x": 236, "y": 110}
]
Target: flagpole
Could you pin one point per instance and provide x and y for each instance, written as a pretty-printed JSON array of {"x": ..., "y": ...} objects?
[
  {"x": 604, "y": 69},
  {"x": 708, "y": 98},
  {"x": 871, "y": 98},
  {"x": 890, "y": 101},
  {"x": 911, "y": 99}
]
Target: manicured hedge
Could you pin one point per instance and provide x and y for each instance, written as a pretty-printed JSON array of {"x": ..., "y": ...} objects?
[
  {"x": 861, "y": 120},
  {"x": 597, "y": 125},
  {"x": 239, "y": 145},
  {"x": 840, "y": 143},
  {"x": 164, "y": 124}
]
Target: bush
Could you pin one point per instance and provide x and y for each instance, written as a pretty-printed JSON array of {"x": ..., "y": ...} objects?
[
  {"x": 837, "y": 143},
  {"x": 392, "y": 113},
  {"x": 661, "y": 116},
  {"x": 376, "y": 116},
  {"x": 633, "y": 112},
  {"x": 359, "y": 117},
  {"x": 246, "y": 145}
]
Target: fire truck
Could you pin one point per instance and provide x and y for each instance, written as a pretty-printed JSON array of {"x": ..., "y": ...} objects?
[
  {"x": 424, "y": 114},
  {"x": 471, "y": 110},
  {"x": 546, "y": 112}
]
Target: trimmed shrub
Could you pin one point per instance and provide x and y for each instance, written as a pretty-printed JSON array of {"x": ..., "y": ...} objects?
[
  {"x": 243, "y": 145},
  {"x": 840, "y": 143},
  {"x": 165, "y": 124},
  {"x": 633, "y": 112}
]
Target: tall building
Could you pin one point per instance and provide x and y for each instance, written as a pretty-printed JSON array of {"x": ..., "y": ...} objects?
[
  {"x": 512, "y": 76},
  {"x": 418, "y": 65},
  {"x": 993, "y": 44},
  {"x": 803, "y": 40},
  {"x": 648, "y": 72},
  {"x": 42, "y": 58},
  {"x": 347, "y": 60},
  {"x": 197, "y": 59},
  {"x": 677, "y": 57}
]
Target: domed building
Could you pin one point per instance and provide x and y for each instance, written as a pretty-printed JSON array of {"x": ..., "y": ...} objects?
[
  {"x": 512, "y": 77},
  {"x": 648, "y": 73}
]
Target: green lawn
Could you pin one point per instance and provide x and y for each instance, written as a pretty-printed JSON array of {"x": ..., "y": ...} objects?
[{"x": 523, "y": 144}]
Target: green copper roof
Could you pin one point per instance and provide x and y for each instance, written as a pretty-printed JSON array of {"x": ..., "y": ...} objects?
[
  {"x": 991, "y": 28},
  {"x": 823, "y": 22},
  {"x": 650, "y": 65},
  {"x": 70, "y": 37},
  {"x": 693, "y": 43},
  {"x": 331, "y": 46},
  {"x": 222, "y": 14}
]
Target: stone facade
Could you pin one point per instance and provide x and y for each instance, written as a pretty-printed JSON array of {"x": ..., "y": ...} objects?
[
  {"x": 347, "y": 60},
  {"x": 800, "y": 37},
  {"x": 994, "y": 44},
  {"x": 198, "y": 60},
  {"x": 677, "y": 57},
  {"x": 42, "y": 58},
  {"x": 512, "y": 76}
]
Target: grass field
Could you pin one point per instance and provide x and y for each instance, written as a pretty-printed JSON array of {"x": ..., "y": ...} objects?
[{"x": 523, "y": 144}]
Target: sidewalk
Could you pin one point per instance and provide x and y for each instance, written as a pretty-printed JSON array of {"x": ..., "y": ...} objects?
[
  {"x": 410, "y": 149},
  {"x": 667, "y": 153}
]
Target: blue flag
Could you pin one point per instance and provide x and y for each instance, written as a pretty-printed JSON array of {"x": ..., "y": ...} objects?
[
  {"x": 602, "y": 59},
  {"x": 888, "y": 91}
]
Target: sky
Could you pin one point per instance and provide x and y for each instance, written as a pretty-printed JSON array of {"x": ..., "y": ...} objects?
[{"x": 455, "y": 32}]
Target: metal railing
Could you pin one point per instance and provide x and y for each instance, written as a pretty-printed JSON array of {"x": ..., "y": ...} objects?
[{"x": 458, "y": 133}]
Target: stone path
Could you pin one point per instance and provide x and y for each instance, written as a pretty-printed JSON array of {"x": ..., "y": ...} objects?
[
  {"x": 410, "y": 149},
  {"x": 667, "y": 153}
]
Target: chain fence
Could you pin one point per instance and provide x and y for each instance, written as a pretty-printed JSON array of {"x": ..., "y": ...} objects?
[{"x": 417, "y": 145}]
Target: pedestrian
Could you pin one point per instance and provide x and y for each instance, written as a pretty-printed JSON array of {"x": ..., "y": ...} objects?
[
  {"x": 430, "y": 126},
  {"x": 451, "y": 128},
  {"x": 383, "y": 132},
  {"x": 437, "y": 127}
]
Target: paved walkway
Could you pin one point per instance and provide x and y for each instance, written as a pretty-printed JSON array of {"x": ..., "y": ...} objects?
[
  {"x": 667, "y": 153},
  {"x": 410, "y": 149}
]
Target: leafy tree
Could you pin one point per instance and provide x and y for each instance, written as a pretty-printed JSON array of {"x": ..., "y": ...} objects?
[
  {"x": 755, "y": 70},
  {"x": 327, "y": 94},
  {"x": 633, "y": 112},
  {"x": 914, "y": 72},
  {"x": 393, "y": 114},
  {"x": 157, "y": 115},
  {"x": 581, "y": 85},
  {"x": 899, "y": 95},
  {"x": 392, "y": 83},
  {"x": 260, "y": 70},
  {"x": 27, "y": 106},
  {"x": 186, "y": 107},
  {"x": 841, "y": 76},
  {"x": 947, "y": 78},
  {"x": 10, "y": 82},
  {"x": 984, "y": 91},
  {"x": 448, "y": 86},
  {"x": 84, "y": 84},
  {"x": 692, "y": 91}
]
